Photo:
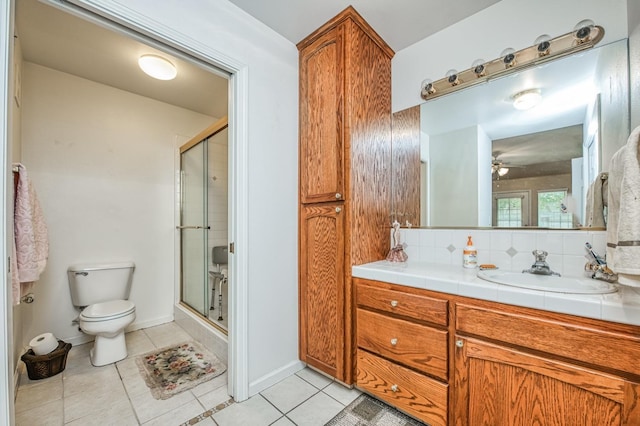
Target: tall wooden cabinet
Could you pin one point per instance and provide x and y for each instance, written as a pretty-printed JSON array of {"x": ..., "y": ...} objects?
[{"x": 345, "y": 180}]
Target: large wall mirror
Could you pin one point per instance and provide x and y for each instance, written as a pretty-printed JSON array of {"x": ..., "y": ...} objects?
[{"x": 485, "y": 163}]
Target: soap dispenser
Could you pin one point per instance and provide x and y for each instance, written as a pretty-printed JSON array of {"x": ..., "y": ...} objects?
[{"x": 470, "y": 255}]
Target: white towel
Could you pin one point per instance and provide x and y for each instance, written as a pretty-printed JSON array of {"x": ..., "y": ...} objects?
[
  {"x": 596, "y": 201},
  {"x": 623, "y": 227},
  {"x": 31, "y": 244}
]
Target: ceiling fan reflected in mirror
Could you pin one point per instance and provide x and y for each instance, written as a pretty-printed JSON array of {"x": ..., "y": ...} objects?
[{"x": 498, "y": 168}]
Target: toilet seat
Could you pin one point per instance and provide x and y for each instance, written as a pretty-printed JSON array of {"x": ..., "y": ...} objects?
[{"x": 103, "y": 311}]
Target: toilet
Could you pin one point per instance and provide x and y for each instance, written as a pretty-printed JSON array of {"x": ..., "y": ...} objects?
[{"x": 101, "y": 291}]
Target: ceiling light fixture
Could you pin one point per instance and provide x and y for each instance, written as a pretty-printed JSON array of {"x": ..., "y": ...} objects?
[
  {"x": 527, "y": 99},
  {"x": 157, "y": 67}
]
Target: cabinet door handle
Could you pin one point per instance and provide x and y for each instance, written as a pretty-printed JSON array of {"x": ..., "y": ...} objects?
[
  {"x": 338, "y": 209},
  {"x": 394, "y": 303},
  {"x": 394, "y": 341},
  {"x": 459, "y": 343},
  {"x": 338, "y": 195},
  {"x": 394, "y": 388}
]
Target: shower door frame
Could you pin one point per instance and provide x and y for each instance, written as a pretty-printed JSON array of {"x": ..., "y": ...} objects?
[{"x": 201, "y": 138}]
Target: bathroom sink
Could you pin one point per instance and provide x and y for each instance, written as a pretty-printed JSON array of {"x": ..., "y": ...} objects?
[{"x": 547, "y": 282}]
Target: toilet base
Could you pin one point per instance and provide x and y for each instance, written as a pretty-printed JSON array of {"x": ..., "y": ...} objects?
[{"x": 107, "y": 350}]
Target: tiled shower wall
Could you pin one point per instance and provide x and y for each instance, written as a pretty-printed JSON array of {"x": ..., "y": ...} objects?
[
  {"x": 507, "y": 249},
  {"x": 218, "y": 190}
]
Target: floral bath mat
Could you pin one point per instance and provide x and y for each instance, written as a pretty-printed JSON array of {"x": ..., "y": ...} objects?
[{"x": 174, "y": 369}]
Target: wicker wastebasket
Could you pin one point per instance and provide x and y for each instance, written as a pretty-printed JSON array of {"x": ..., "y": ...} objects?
[{"x": 48, "y": 365}]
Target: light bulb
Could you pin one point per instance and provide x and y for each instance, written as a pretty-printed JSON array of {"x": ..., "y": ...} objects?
[
  {"x": 582, "y": 30},
  {"x": 426, "y": 88},
  {"x": 543, "y": 44},
  {"x": 508, "y": 56},
  {"x": 478, "y": 67},
  {"x": 452, "y": 77}
]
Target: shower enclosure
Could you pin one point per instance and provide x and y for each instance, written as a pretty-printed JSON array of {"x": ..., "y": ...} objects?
[{"x": 204, "y": 224}]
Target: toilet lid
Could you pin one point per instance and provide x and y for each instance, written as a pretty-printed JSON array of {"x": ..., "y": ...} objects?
[{"x": 111, "y": 310}]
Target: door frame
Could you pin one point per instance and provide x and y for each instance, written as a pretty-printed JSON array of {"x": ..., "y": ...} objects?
[
  {"x": 7, "y": 379},
  {"x": 131, "y": 23}
]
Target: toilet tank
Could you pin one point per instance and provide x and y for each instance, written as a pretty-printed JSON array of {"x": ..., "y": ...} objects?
[{"x": 95, "y": 283}]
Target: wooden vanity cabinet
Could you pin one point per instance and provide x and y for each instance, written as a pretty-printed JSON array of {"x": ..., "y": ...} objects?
[
  {"x": 502, "y": 386},
  {"x": 521, "y": 367},
  {"x": 345, "y": 179},
  {"x": 402, "y": 339},
  {"x": 507, "y": 365}
]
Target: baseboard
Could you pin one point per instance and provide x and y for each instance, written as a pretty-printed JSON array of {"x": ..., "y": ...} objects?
[
  {"x": 149, "y": 323},
  {"x": 86, "y": 338},
  {"x": 16, "y": 375},
  {"x": 274, "y": 377}
]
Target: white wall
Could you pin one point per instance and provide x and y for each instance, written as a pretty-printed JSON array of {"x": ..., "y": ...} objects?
[
  {"x": 612, "y": 72},
  {"x": 102, "y": 163},
  {"x": 633, "y": 10},
  {"x": 272, "y": 144},
  {"x": 508, "y": 23}
]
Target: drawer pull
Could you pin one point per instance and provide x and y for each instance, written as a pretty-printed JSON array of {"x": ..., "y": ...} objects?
[
  {"x": 394, "y": 341},
  {"x": 394, "y": 303},
  {"x": 338, "y": 209},
  {"x": 338, "y": 195},
  {"x": 394, "y": 388},
  {"x": 459, "y": 343}
]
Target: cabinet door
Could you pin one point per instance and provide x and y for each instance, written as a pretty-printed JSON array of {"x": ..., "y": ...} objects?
[
  {"x": 322, "y": 293},
  {"x": 499, "y": 386},
  {"x": 321, "y": 119}
]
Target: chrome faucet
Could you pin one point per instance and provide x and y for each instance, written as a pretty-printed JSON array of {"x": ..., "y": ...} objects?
[{"x": 540, "y": 266}]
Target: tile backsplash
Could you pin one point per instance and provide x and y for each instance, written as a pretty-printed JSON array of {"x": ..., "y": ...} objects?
[{"x": 508, "y": 249}]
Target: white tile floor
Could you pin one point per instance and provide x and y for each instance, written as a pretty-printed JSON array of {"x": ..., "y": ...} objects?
[{"x": 117, "y": 395}]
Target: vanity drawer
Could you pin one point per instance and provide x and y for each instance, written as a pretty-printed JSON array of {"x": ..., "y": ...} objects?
[
  {"x": 585, "y": 341},
  {"x": 417, "y": 346},
  {"x": 404, "y": 301},
  {"x": 411, "y": 392}
]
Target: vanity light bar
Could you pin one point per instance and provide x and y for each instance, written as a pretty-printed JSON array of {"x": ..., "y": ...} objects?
[{"x": 566, "y": 44}]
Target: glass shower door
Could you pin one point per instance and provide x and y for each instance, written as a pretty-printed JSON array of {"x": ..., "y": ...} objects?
[{"x": 194, "y": 227}]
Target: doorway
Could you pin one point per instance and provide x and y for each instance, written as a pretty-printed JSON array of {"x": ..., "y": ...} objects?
[
  {"x": 204, "y": 60},
  {"x": 204, "y": 237}
]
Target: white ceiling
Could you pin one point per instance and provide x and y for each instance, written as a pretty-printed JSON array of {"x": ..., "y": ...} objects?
[
  {"x": 60, "y": 41},
  {"x": 400, "y": 23}
]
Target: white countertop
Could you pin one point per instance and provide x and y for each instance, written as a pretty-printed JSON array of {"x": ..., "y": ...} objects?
[{"x": 622, "y": 306}]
